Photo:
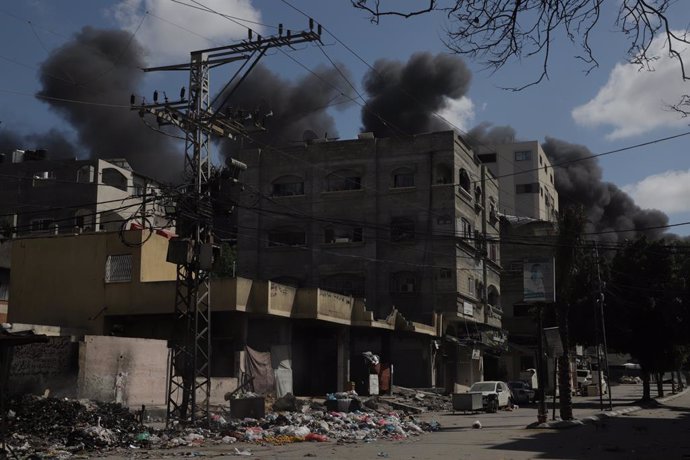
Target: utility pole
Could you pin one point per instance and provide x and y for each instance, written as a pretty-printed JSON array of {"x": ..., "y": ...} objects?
[
  {"x": 189, "y": 379},
  {"x": 600, "y": 300}
]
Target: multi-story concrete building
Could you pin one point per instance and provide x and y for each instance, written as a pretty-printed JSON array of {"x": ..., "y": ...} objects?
[
  {"x": 401, "y": 222},
  {"x": 525, "y": 177},
  {"x": 529, "y": 207},
  {"x": 39, "y": 195}
]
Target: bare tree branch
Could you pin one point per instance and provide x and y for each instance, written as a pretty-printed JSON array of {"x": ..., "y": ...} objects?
[{"x": 495, "y": 32}]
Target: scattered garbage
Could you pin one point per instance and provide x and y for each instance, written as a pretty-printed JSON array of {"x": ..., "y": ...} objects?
[
  {"x": 626, "y": 379},
  {"x": 64, "y": 428}
]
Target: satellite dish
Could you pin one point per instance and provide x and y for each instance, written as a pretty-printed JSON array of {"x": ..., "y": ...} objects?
[{"x": 309, "y": 136}]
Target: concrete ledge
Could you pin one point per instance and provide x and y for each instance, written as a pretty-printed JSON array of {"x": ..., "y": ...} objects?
[{"x": 598, "y": 417}]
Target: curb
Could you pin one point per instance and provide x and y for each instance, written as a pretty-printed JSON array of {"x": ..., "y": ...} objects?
[{"x": 594, "y": 419}]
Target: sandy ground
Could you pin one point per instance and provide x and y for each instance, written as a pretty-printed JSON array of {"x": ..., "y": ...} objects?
[{"x": 660, "y": 432}]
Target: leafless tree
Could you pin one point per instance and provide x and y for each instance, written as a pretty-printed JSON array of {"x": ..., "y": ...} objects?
[{"x": 495, "y": 32}]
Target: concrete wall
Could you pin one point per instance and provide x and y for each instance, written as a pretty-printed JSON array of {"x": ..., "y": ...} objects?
[
  {"x": 60, "y": 280},
  {"x": 126, "y": 370},
  {"x": 40, "y": 367}
]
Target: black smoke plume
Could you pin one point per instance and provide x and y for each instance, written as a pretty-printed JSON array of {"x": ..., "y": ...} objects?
[
  {"x": 403, "y": 97},
  {"x": 612, "y": 214},
  {"x": 101, "y": 68},
  {"x": 297, "y": 107},
  {"x": 54, "y": 141},
  {"x": 486, "y": 134}
]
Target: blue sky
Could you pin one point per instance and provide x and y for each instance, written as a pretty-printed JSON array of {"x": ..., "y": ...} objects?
[{"x": 612, "y": 107}]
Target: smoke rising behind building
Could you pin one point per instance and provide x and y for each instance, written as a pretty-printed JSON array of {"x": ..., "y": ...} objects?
[
  {"x": 404, "y": 97},
  {"x": 297, "y": 107}
]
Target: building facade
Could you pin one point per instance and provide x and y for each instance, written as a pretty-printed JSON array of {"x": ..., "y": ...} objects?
[
  {"x": 40, "y": 196},
  {"x": 408, "y": 224},
  {"x": 526, "y": 179}
]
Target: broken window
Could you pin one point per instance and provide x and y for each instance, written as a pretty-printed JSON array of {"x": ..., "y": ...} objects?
[
  {"x": 118, "y": 268},
  {"x": 114, "y": 178},
  {"x": 464, "y": 181},
  {"x": 343, "y": 181},
  {"x": 404, "y": 282},
  {"x": 85, "y": 174},
  {"x": 342, "y": 234},
  {"x": 287, "y": 237},
  {"x": 288, "y": 186}
]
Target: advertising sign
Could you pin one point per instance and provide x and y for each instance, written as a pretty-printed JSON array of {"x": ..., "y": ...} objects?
[{"x": 538, "y": 281}]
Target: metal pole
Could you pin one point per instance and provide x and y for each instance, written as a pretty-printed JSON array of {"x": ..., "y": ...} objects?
[
  {"x": 602, "y": 299},
  {"x": 542, "y": 413},
  {"x": 555, "y": 379}
]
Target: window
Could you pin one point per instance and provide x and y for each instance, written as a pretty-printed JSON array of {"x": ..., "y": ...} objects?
[
  {"x": 42, "y": 178},
  {"x": 114, "y": 178},
  {"x": 403, "y": 178},
  {"x": 478, "y": 194},
  {"x": 465, "y": 183},
  {"x": 287, "y": 186},
  {"x": 444, "y": 174},
  {"x": 524, "y": 155},
  {"x": 527, "y": 188},
  {"x": 287, "y": 237},
  {"x": 139, "y": 187},
  {"x": 552, "y": 178},
  {"x": 541, "y": 161},
  {"x": 402, "y": 230},
  {"x": 404, "y": 282},
  {"x": 85, "y": 174},
  {"x": 445, "y": 274},
  {"x": 465, "y": 228},
  {"x": 118, "y": 269},
  {"x": 342, "y": 234},
  {"x": 493, "y": 296},
  {"x": 493, "y": 250},
  {"x": 83, "y": 219},
  {"x": 343, "y": 181},
  {"x": 470, "y": 285},
  {"x": 42, "y": 225},
  {"x": 487, "y": 157}
]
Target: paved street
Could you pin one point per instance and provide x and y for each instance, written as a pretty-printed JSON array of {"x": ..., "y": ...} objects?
[{"x": 654, "y": 433}]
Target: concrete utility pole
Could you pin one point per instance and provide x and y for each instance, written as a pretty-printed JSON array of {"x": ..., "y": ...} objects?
[
  {"x": 189, "y": 379},
  {"x": 600, "y": 301}
]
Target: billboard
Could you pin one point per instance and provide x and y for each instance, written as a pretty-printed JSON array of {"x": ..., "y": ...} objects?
[{"x": 538, "y": 281}]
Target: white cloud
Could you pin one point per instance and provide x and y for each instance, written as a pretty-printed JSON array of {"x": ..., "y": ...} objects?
[
  {"x": 459, "y": 112},
  {"x": 667, "y": 191},
  {"x": 636, "y": 101},
  {"x": 168, "y": 43}
]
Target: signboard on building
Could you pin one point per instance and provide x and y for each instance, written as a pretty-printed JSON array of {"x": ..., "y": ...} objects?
[
  {"x": 539, "y": 281},
  {"x": 476, "y": 354},
  {"x": 468, "y": 309}
]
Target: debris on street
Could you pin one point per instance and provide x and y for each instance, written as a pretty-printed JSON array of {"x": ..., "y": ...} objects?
[{"x": 63, "y": 428}]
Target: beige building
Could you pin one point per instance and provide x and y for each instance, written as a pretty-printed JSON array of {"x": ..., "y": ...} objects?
[
  {"x": 525, "y": 177},
  {"x": 106, "y": 283}
]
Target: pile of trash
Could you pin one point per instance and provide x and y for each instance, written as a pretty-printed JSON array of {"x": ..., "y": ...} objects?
[
  {"x": 63, "y": 427},
  {"x": 40, "y": 424},
  {"x": 630, "y": 380}
]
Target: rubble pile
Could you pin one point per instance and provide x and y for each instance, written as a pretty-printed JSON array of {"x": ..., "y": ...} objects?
[
  {"x": 39, "y": 424},
  {"x": 411, "y": 400},
  {"x": 62, "y": 428}
]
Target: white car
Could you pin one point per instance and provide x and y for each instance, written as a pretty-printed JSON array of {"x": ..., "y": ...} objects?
[{"x": 495, "y": 394}]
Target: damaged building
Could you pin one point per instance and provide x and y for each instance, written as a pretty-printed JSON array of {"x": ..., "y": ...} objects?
[{"x": 407, "y": 223}]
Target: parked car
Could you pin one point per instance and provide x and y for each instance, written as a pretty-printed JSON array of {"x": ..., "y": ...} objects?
[
  {"x": 495, "y": 394},
  {"x": 522, "y": 392},
  {"x": 584, "y": 378}
]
